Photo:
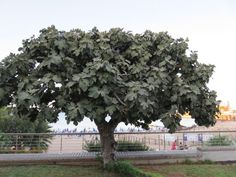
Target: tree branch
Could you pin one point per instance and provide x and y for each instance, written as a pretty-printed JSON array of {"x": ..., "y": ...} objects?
[{"x": 119, "y": 99}]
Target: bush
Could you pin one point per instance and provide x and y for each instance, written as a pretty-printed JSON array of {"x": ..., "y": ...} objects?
[
  {"x": 10, "y": 151},
  {"x": 92, "y": 146},
  {"x": 10, "y": 143},
  {"x": 125, "y": 169},
  {"x": 219, "y": 141},
  {"x": 131, "y": 146},
  {"x": 95, "y": 146}
]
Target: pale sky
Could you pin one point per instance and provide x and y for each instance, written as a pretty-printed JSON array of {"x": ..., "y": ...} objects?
[{"x": 210, "y": 26}]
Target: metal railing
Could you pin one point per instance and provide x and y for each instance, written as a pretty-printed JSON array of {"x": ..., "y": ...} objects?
[{"x": 127, "y": 141}]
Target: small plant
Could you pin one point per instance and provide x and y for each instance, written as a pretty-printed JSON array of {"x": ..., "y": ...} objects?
[
  {"x": 92, "y": 146},
  {"x": 125, "y": 169},
  {"x": 95, "y": 146},
  {"x": 188, "y": 161},
  {"x": 207, "y": 161},
  {"x": 131, "y": 146},
  {"x": 99, "y": 157},
  {"x": 219, "y": 141}
]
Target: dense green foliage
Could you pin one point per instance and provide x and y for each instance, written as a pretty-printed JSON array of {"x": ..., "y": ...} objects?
[
  {"x": 10, "y": 124},
  {"x": 135, "y": 78},
  {"x": 95, "y": 146},
  {"x": 219, "y": 141},
  {"x": 126, "y": 169}
]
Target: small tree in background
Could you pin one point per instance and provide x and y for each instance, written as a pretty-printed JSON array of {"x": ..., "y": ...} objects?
[
  {"x": 219, "y": 141},
  {"x": 134, "y": 78},
  {"x": 10, "y": 124}
]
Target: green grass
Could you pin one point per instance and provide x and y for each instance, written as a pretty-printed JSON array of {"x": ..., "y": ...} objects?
[
  {"x": 193, "y": 170},
  {"x": 180, "y": 170},
  {"x": 54, "y": 171}
]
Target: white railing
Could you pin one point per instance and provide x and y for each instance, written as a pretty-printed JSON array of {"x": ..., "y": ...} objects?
[{"x": 131, "y": 141}]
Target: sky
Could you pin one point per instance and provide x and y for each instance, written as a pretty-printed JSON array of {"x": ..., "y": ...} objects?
[{"x": 210, "y": 26}]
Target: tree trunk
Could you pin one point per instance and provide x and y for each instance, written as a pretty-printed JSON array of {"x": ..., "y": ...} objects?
[{"x": 108, "y": 143}]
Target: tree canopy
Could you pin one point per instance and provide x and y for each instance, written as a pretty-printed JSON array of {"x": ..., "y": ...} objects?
[{"x": 134, "y": 78}]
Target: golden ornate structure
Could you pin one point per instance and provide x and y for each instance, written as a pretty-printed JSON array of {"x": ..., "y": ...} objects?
[{"x": 226, "y": 114}]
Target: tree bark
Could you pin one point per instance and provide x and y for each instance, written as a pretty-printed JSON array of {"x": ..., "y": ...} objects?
[{"x": 108, "y": 142}]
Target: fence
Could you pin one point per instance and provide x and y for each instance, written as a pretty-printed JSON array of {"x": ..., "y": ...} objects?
[{"x": 130, "y": 141}]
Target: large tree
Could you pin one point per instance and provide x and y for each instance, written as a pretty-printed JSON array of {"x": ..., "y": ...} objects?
[{"x": 134, "y": 78}]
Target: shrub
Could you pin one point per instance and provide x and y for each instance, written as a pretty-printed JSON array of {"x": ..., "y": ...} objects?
[
  {"x": 125, "y": 169},
  {"x": 95, "y": 146},
  {"x": 219, "y": 141},
  {"x": 207, "y": 161},
  {"x": 19, "y": 142},
  {"x": 188, "y": 161},
  {"x": 92, "y": 146},
  {"x": 131, "y": 146}
]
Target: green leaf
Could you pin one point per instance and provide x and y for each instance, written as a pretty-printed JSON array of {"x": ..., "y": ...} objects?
[
  {"x": 174, "y": 98},
  {"x": 76, "y": 77},
  {"x": 161, "y": 47},
  {"x": 94, "y": 92},
  {"x": 21, "y": 85},
  {"x": 46, "y": 79},
  {"x": 168, "y": 57},
  {"x": 111, "y": 109},
  {"x": 195, "y": 89},
  {"x": 24, "y": 96},
  {"x": 83, "y": 84},
  {"x": 61, "y": 101},
  {"x": 104, "y": 91},
  {"x": 163, "y": 63},
  {"x": 134, "y": 54},
  {"x": 55, "y": 59},
  {"x": 60, "y": 44},
  {"x": 143, "y": 92},
  {"x": 56, "y": 78},
  {"x": 2, "y": 93},
  {"x": 144, "y": 105},
  {"x": 70, "y": 84},
  {"x": 131, "y": 96}
]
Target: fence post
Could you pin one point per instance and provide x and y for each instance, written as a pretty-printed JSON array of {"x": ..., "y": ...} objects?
[
  {"x": 16, "y": 142},
  {"x": 164, "y": 141},
  {"x": 202, "y": 139},
  {"x": 61, "y": 145},
  {"x": 39, "y": 146}
]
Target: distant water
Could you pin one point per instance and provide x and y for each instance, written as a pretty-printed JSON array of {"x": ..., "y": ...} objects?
[{"x": 89, "y": 125}]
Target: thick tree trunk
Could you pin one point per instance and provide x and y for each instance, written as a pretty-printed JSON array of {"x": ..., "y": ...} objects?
[{"x": 108, "y": 142}]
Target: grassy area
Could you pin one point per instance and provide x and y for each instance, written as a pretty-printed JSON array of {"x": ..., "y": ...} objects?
[
  {"x": 193, "y": 170},
  {"x": 54, "y": 171}
]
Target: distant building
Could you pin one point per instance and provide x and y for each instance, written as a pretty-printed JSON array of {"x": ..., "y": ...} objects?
[{"x": 226, "y": 113}]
